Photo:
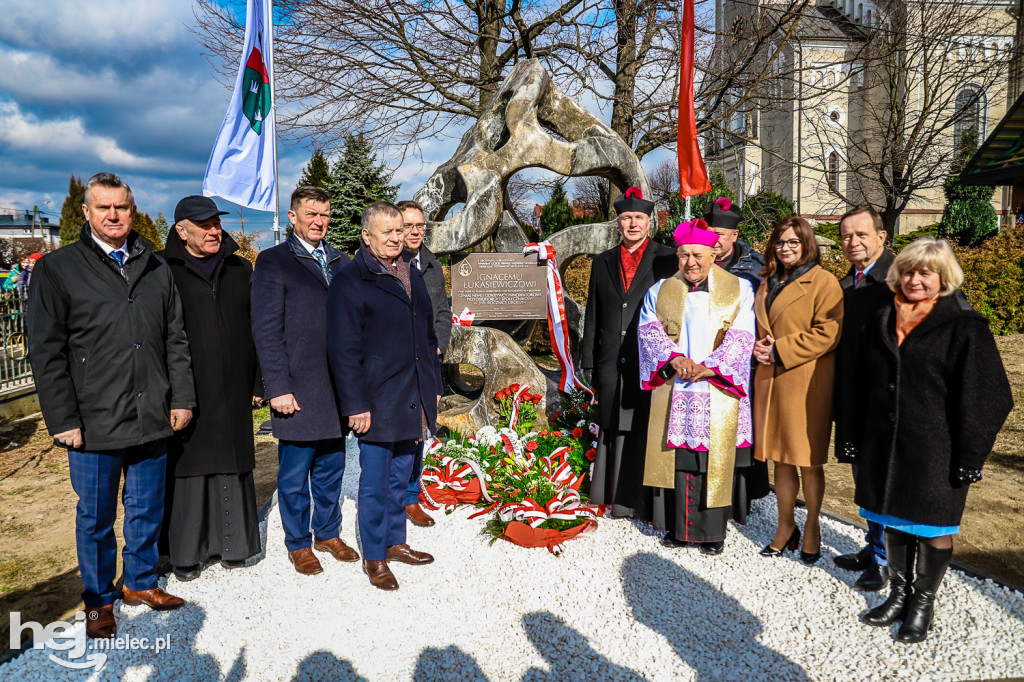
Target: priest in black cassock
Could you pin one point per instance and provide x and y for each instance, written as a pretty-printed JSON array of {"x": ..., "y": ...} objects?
[
  {"x": 211, "y": 510},
  {"x": 619, "y": 279}
]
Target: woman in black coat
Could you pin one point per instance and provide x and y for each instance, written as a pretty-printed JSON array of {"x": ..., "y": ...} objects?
[
  {"x": 210, "y": 489},
  {"x": 935, "y": 396}
]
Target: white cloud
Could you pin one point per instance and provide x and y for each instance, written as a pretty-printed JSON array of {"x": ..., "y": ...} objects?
[
  {"x": 28, "y": 135},
  {"x": 115, "y": 29}
]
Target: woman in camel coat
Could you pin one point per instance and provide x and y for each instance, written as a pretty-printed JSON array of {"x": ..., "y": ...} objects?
[{"x": 799, "y": 309}]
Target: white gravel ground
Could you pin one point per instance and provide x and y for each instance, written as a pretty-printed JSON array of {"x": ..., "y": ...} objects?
[{"x": 615, "y": 605}]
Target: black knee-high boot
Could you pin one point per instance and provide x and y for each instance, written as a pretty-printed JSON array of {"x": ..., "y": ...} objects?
[
  {"x": 899, "y": 553},
  {"x": 931, "y": 567}
]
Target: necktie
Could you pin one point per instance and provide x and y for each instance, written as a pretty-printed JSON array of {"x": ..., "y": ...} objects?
[
  {"x": 319, "y": 255},
  {"x": 857, "y": 278},
  {"x": 119, "y": 257}
]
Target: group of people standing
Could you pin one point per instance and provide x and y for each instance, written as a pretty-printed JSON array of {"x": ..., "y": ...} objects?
[
  {"x": 147, "y": 365},
  {"x": 707, "y": 360},
  {"x": 710, "y": 360}
]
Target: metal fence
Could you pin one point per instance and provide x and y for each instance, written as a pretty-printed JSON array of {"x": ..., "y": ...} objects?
[{"x": 15, "y": 370}]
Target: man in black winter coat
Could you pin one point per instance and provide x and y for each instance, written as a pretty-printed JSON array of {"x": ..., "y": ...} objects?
[
  {"x": 736, "y": 257},
  {"x": 112, "y": 371},
  {"x": 619, "y": 280},
  {"x": 289, "y": 326},
  {"x": 862, "y": 238},
  {"x": 420, "y": 257},
  {"x": 211, "y": 510}
]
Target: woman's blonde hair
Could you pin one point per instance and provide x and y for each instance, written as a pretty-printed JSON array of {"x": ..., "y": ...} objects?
[{"x": 927, "y": 253}]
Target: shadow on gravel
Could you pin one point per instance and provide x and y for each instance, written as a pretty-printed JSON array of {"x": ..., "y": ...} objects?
[
  {"x": 708, "y": 630},
  {"x": 832, "y": 545},
  {"x": 568, "y": 653},
  {"x": 450, "y": 663},
  {"x": 323, "y": 665}
]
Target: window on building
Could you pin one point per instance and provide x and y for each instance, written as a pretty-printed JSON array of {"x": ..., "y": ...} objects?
[
  {"x": 971, "y": 105},
  {"x": 833, "y": 171}
]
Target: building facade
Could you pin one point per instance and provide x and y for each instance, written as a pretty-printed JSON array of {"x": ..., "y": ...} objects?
[{"x": 866, "y": 103}]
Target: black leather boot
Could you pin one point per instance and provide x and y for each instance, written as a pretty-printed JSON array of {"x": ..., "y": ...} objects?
[
  {"x": 899, "y": 551},
  {"x": 931, "y": 567}
]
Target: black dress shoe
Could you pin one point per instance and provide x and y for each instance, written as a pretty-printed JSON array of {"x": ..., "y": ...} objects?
[
  {"x": 858, "y": 561},
  {"x": 232, "y": 563},
  {"x": 873, "y": 579},
  {"x": 810, "y": 557},
  {"x": 670, "y": 540},
  {"x": 712, "y": 548},
  {"x": 186, "y": 573}
]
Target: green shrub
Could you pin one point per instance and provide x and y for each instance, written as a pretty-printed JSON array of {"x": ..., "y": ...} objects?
[
  {"x": 901, "y": 240},
  {"x": 761, "y": 212},
  {"x": 994, "y": 279}
]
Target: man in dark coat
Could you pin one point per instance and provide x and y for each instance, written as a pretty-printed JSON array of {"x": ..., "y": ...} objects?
[
  {"x": 619, "y": 280},
  {"x": 862, "y": 239},
  {"x": 211, "y": 510},
  {"x": 420, "y": 257},
  {"x": 289, "y": 326},
  {"x": 731, "y": 254},
  {"x": 736, "y": 257},
  {"x": 383, "y": 355},
  {"x": 112, "y": 371}
]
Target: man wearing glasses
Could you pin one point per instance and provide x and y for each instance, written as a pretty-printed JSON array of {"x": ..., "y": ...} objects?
[{"x": 421, "y": 258}]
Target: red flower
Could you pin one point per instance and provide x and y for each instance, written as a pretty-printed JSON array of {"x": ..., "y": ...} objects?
[
  {"x": 526, "y": 397},
  {"x": 514, "y": 387},
  {"x": 590, "y": 454},
  {"x": 557, "y": 434},
  {"x": 543, "y": 433},
  {"x": 500, "y": 395},
  {"x": 555, "y": 416},
  {"x": 532, "y": 445},
  {"x": 536, "y": 399},
  {"x": 577, "y": 432}
]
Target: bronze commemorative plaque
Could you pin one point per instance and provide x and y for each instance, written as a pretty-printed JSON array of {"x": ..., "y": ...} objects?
[{"x": 500, "y": 286}]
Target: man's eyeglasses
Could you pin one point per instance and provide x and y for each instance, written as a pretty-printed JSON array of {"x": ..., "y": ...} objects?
[
  {"x": 792, "y": 244},
  {"x": 415, "y": 226}
]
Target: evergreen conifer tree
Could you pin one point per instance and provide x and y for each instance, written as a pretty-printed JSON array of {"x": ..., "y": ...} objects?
[
  {"x": 317, "y": 173},
  {"x": 71, "y": 218},
  {"x": 557, "y": 213},
  {"x": 968, "y": 217},
  {"x": 145, "y": 226},
  {"x": 162, "y": 227},
  {"x": 356, "y": 182}
]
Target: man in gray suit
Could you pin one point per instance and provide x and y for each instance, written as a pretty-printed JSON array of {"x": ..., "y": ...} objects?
[{"x": 418, "y": 255}]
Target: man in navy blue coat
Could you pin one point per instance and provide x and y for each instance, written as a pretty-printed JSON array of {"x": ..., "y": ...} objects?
[
  {"x": 383, "y": 355},
  {"x": 289, "y": 312}
]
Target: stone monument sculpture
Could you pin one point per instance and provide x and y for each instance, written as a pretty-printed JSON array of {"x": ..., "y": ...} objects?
[{"x": 528, "y": 123}]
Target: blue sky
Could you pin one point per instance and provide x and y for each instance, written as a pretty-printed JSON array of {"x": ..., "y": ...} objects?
[{"x": 122, "y": 86}]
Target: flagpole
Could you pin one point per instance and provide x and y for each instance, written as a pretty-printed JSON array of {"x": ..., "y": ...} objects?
[{"x": 269, "y": 14}]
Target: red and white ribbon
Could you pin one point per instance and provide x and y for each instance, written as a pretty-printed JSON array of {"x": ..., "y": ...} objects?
[
  {"x": 557, "y": 324},
  {"x": 464, "y": 319},
  {"x": 565, "y": 506},
  {"x": 516, "y": 400}
]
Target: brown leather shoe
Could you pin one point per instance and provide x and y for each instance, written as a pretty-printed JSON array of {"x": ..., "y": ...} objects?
[
  {"x": 305, "y": 561},
  {"x": 414, "y": 512},
  {"x": 156, "y": 599},
  {"x": 381, "y": 576},
  {"x": 407, "y": 555},
  {"x": 338, "y": 549},
  {"x": 99, "y": 622}
]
